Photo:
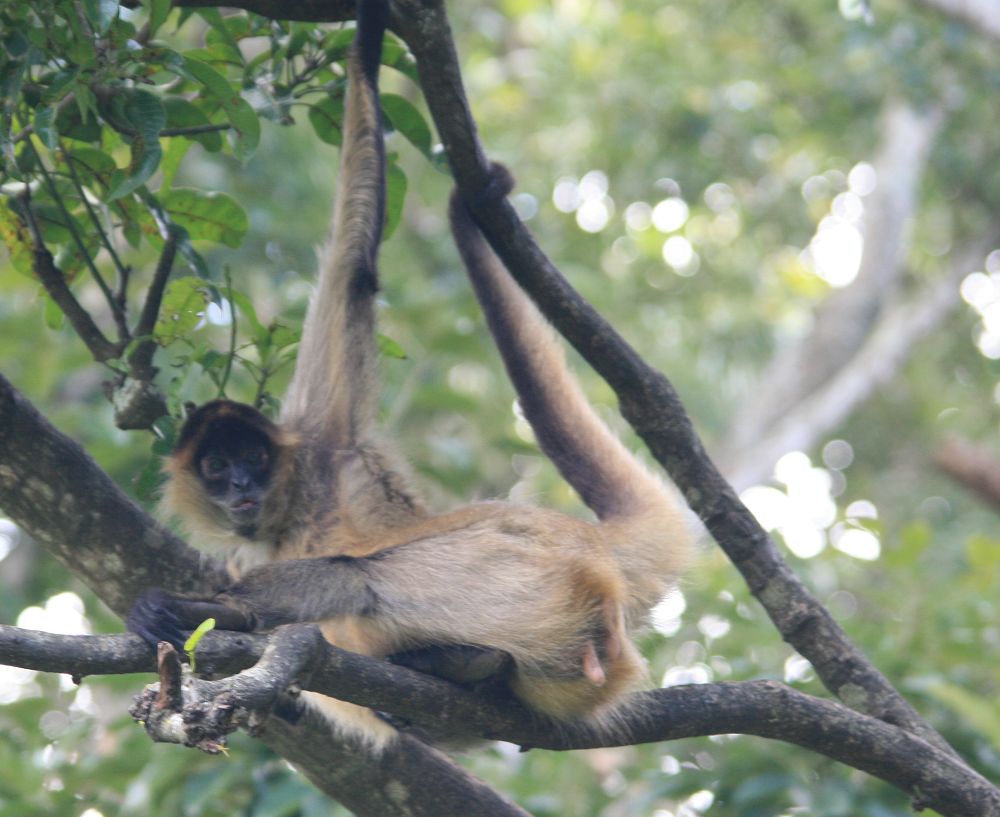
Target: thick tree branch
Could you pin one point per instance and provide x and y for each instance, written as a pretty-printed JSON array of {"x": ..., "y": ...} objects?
[
  {"x": 53, "y": 490},
  {"x": 768, "y": 709},
  {"x": 971, "y": 466},
  {"x": 309, "y": 11},
  {"x": 647, "y": 399}
]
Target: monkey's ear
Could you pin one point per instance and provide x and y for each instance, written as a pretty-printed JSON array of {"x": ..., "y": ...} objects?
[{"x": 190, "y": 408}]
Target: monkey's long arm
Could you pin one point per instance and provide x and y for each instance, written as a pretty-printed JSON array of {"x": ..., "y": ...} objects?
[
  {"x": 590, "y": 458},
  {"x": 333, "y": 389}
]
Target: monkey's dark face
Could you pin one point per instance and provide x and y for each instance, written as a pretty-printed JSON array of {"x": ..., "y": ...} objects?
[{"x": 235, "y": 465}]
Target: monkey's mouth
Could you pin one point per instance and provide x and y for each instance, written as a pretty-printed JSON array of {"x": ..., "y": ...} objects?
[{"x": 245, "y": 506}]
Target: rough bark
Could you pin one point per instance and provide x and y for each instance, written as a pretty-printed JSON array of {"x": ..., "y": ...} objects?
[{"x": 932, "y": 778}]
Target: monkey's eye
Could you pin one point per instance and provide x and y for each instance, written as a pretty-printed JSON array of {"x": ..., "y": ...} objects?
[
  {"x": 256, "y": 458},
  {"x": 213, "y": 466}
]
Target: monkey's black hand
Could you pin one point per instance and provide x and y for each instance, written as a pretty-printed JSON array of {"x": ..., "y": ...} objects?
[{"x": 161, "y": 616}]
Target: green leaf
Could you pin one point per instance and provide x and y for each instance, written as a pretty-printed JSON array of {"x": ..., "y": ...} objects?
[
  {"x": 17, "y": 239},
  {"x": 338, "y": 44},
  {"x": 45, "y": 121},
  {"x": 406, "y": 119},
  {"x": 282, "y": 336},
  {"x": 148, "y": 480},
  {"x": 54, "y": 317},
  {"x": 389, "y": 348},
  {"x": 100, "y": 13},
  {"x": 395, "y": 183},
  {"x": 56, "y": 87},
  {"x": 183, "y": 114},
  {"x": 93, "y": 166},
  {"x": 981, "y": 713},
  {"x": 212, "y": 216},
  {"x": 224, "y": 37},
  {"x": 239, "y": 112},
  {"x": 247, "y": 310},
  {"x": 396, "y": 55},
  {"x": 298, "y": 39},
  {"x": 159, "y": 10},
  {"x": 15, "y": 43},
  {"x": 183, "y": 308},
  {"x": 175, "y": 152},
  {"x": 145, "y": 116},
  {"x": 81, "y": 121},
  {"x": 327, "y": 117}
]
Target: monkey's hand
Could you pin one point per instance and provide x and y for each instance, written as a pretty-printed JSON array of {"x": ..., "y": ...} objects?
[{"x": 161, "y": 616}]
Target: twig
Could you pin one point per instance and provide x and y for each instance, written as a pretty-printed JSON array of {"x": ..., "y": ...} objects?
[
  {"x": 194, "y": 130},
  {"x": 54, "y": 282},
  {"x": 141, "y": 360},
  {"x": 116, "y": 311},
  {"x": 105, "y": 239},
  {"x": 224, "y": 380}
]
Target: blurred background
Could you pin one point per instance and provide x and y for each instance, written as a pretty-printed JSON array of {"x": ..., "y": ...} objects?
[{"x": 793, "y": 211}]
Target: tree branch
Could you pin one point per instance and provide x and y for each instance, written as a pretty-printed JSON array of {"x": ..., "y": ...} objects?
[
  {"x": 647, "y": 399},
  {"x": 54, "y": 282},
  {"x": 971, "y": 466},
  {"x": 308, "y": 11},
  {"x": 299, "y": 654},
  {"x": 51, "y": 488}
]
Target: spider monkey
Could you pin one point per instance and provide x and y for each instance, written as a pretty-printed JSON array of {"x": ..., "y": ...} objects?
[{"x": 321, "y": 522}]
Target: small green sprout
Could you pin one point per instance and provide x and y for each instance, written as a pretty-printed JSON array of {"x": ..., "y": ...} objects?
[{"x": 192, "y": 643}]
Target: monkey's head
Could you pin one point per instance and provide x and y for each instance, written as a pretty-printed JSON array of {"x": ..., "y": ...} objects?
[{"x": 223, "y": 469}]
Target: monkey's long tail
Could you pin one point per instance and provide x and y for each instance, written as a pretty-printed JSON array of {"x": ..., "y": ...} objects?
[{"x": 607, "y": 476}]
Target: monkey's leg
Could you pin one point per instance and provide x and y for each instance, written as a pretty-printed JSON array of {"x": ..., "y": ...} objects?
[
  {"x": 461, "y": 663},
  {"x": 272, "y": 594}
]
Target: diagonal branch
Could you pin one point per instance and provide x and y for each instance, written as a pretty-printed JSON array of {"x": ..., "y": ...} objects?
[
  {"x": 647, "y": 399},
  {"x": 308, "y": 11},
  {"x": 54, "y": 281},
  {"x": 141, "y": 360}
]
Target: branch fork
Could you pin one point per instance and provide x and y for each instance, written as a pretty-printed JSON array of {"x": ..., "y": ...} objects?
[{"x": 183, "y": 708}]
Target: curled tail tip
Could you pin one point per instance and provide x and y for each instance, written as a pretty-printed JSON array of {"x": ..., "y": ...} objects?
[{"x": 500, "y": 184}]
